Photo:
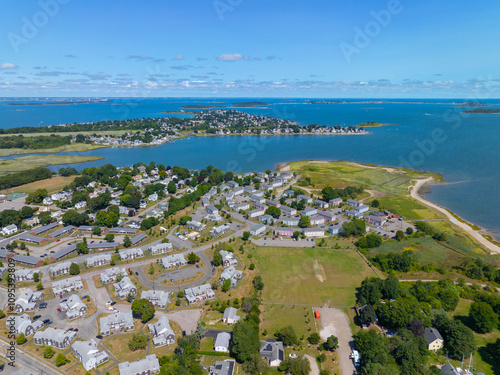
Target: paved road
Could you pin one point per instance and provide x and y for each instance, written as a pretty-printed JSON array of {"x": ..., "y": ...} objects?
[
  {"x": 335, "y": 322},
  {"x": 29, "y": 364}
]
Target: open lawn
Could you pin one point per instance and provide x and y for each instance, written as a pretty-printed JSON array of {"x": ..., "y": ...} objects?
[
  {"x": 343, "y": 173},
  {"x": 118, "y": 345},
  {"x": 52, "y": 185},
  {"x": 33, "y": 161},
  {"x": 275, "y": 317},
  {"x": 74, "y": 147},
  {"x": 313, "y": 276}
]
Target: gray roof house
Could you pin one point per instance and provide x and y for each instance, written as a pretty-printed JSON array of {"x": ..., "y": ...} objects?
[
  {"x": 23, "y": 274},
  {"x": 89, "y": 354},
  {"x": 220, "y": 230},
  {"x": 258, "y": 229},
  {"x": 146, "y": 366},
  {"x": 60, "y": 269},
  {"x": 272, "y": 351},
  {"x": 160, "y": 248},
  {"x": 109, "y": 275},
  {"x": 222, "y": 342},
  {"x": 448, "y": 369},
  {"x": 232, "y": 274},
  {"x": 158, "y": 298},
  {"x": 74, "y": 307},
  {"x": 125, "y": 287},
  {"x": 434, "y": 339},
  {"x": 67, "y": 285},
  {"x": 118, "y": 321},
  {"x": 58, "y": 338},
  {"x": 98, "y": 260},
  {"x": 196, "y": 225},
  {"x": 230, "y": 316},
  {"x": 199, "y": 293},
  {"x": 161, "y": 332},
  {"x": 26, "y": 301},
  {"x": 174, "y": 260},
  {"x": 127, "y": 254},
  {"x": 225, "y": 367},
  {"x": 23, "y": 324},
  {"x": 228, "y": 258}
]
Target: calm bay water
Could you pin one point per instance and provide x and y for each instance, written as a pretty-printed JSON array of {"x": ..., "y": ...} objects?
[{"x": 434, "y": 136}]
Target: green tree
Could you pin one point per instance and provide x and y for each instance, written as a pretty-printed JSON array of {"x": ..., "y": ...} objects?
[
  {"x": 256, "y": 365},
  {"x": 409, "y": 230},
  {"x": 258, "y": 283},
  {"x": 482, "y": 317},
  {"x": 400, "y": 236},
  {"x": 226, "y": 285},
  {"x": 74, "y": 269},
  {"x": 82, "y": 247},
  {"x": 143, "y": 309},
  {"x": 458, "y": 339},
  {"x": 390, "y": 288},
  {"x": 151, "y": 269},
  {"x": 193, "y": 258},
  {"x": 449, "y": 298},
  {"x": 138, "y": 342},
  {"x": 110, "y": 237},
  {"x": 287, "y": 335},
  {"x": 21, "y": 339},
  {"x": 331, "y": 343},
  {"x": 273, "y": 211},
  {"x": 370, "y": 291},
  {"x": 217, "y": 259},
  {"x": 61, "y": 360},
  {"x": 36, "y": 277},
  {"x": 368, "y": 315},
  {"x": 171, "y": 188},
  {"x": 304, "y": 221},
  {"x": 96, "y": 230},
  {"x": 245, "y": 341},
  {"x": 246, "y": 236},
  {"x": 127, "y": 242},
  {"x": 314, "y": 338},
  {"x": 375, "y": 203},
  {"x": 184, "y": 219},
  {"x": 48, "y": 352},
  {"x": 2, "y": 314},
  {"x": 297, "y": 366},
  {"x": 39, "y": 286}
]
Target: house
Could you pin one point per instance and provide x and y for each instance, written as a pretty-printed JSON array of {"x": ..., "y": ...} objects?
[
  {"x": 67, "y": 285},
  {"x": 309, "y": 211},
  {"x": 433, "y": 338},
  {"x": 98, "y": 260},
  {"x": 313, "y": 232},
  {"x": 362, "y": 209},
  {"x": 354, "y": 203},
  {"x": 27, "y": 260},
  {"x": 196, "y": 225},
  {"x": 23, "y": 274},
  {"x": 335, "y": 228},
  {"x": 241, "y": 207},
  {"x": 205, "y": 202},
  {"x": 304, "y": 198},
  {"x": 60, "y": 232},
  {"x": 284, "y": 232},
  {"x": 138, "y": 239},
  {"x": 288, "y": 193},
  {"x": 220, "y": 230},
  {"x": 285, "y": 210},
  {"x": 23, "y": 324},
  {"x": 153, "y": 197},
  {"x": 221, "y": 344},
  {"x": 26, "y": 301},
  {"x": 211, "y": 209},
  {"x": 160, "y": 248},
  {"x": 233, "y": 184},
  {"x": 225, "y": 367},
  {"x": 272, "y": 351},
  {"x": 262, "y": 206},
  {"x": 88, "y": 354},
  {"x": 174, "y": 260},
  {"x": 161, "y": 332},
  {"x": 248, "y": 189},
  {"x": 214, "y": 218},
  {"x": 228, "y": 258},
  {"x": 47, "y": 201},
  {"x": 109, "y": 275},
  {"x": 230, "y": 316},
  {"x": 125, "y": 287},
  {"x": 158, "y": 298},
  {"x": 320, "y": 203},
  {"x": 9, "y": 230},
  {"x": 257, "y": 199},
  {"x": 267, "y": 219},
  {"x": 354, "y": 214},
  {"x": 199, "y": 293},
  {"x": 57, "y": 338},
  {"x": 131, "y": 254},
  {"x": 328, "y": 216},
  {"x": 238, "y": 191},
  {"x": 64, "y": 252},
  {"x": 317, "y": 220},
  {"x": 376, "y": 220},
  {"x": 128, "y": 231},
  {"x": 118, "y": 321},
  {"x": 146, "y": 366},
  {"x": 60, "y": 269},
  {"x": 335, "y": 201},
  {"x": 43, "y": 229},
  {"x": 232, "y": 274},
  {"x": 258, "y": 229},
  {"x": 290, "y": 221},
  {"x": 74, "y": 307},
  {"x": 80, "y": 205},
  {"x": 32, "y": 239},
  {"x": 103, "y": 246},
  {"x": 270, "y": 202},
  {"x": 257, "y": 212},
  {"x": 448, "y": 369}
]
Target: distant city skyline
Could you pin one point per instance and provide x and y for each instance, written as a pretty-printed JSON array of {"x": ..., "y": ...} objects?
[{"x": 238, "y": 48}]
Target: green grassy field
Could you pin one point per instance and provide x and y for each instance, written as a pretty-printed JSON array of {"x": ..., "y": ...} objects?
[
  {"x": 74, "y": 147},
  {"x": 33, "y": 161},
  {"x": 52, "y": 185},
  {"x": 313, "y": 276},
  {"x": 275, "y": 317}
]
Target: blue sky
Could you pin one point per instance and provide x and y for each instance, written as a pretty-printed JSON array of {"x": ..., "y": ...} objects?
[{"x": 250, "y": 48}]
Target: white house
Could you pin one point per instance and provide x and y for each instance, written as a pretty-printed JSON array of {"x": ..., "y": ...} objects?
[
  {"x": 230, "y": 316},
  {"x": 222, "y": 342},
  {"x": 161, "y": 332},
  {"x": 88, "y": 353},
  {"x": 9, "y": 230}
]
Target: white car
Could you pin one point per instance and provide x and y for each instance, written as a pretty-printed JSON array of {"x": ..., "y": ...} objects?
[
  {"x": 110, "y": 308},
  {"x": 109, "y": 303},
  {"x": 293, "y": 355}
]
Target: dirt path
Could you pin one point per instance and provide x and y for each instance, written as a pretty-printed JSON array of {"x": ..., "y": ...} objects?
[
  {"x": 414, "y": 194},
  {"x": 334, "y": 322},
  {"x": 374, "y": 194},
  {"x": 314, "y": 365}
]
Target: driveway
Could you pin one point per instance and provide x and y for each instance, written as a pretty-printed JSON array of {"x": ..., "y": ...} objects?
[
  {"x": 335, "y": 322},
  {"x": 187, "y": 319},
  {"x": 314, "y": 365}
]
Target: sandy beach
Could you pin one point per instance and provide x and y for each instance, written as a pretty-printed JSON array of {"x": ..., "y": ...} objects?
[{"x": 476, "y": 234}]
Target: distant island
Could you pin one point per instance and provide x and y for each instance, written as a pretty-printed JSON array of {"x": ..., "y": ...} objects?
[
  {"x": 470, "y": 104},
  {"x": 370, "y": 124},
  {"x": 483, "y": 110},
  {"x": 249, "y": 104},
  {"x": 64, "y": 102},
  {"x": 211, "y": 106}
]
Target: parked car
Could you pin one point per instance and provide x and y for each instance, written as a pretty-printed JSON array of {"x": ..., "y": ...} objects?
[
  {"x": 108, "y": 303},
  {"x": 113, "y": 303},
  {"x": 98, "y": 337},
  {"x": 293, "y": 355},
  {"x": 58, "y": 310},
  {"x": 52, "y": 251},
  {"x": 64, "y": 300},
  {"x": 75, "y": 329},
  {"x": 37, "y": 317},
  {"x": 43, "y": 305}
]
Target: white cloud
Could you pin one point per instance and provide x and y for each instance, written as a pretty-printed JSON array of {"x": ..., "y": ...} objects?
[
  {"x": 178, "y": 57},
  {"x": 230, "y": 57},
  {"x": 8, "y": 66}
]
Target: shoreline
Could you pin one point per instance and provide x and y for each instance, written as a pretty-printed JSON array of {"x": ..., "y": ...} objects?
[{"x": 416, "y": 193}]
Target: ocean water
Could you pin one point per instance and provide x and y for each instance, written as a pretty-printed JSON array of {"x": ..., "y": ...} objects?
[{"x": 423, "y": 134}]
